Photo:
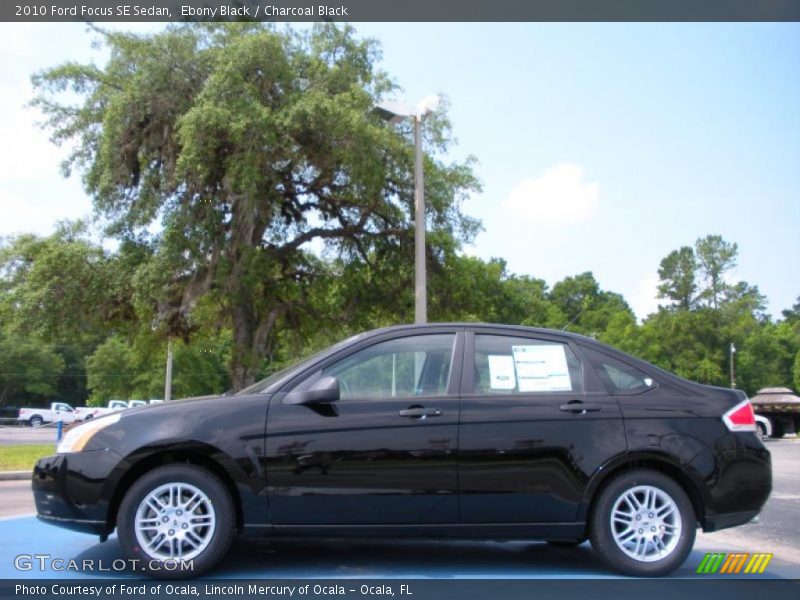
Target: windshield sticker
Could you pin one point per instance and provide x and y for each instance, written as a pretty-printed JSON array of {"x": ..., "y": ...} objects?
[
  {"x": 501, "y": 372},
  {"x": 542, "y": 368}
]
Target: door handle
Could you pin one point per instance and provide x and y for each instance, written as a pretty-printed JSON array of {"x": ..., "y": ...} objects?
[
  {"x": 579, "y": 407},
  {"x": 420, "y": 412}
]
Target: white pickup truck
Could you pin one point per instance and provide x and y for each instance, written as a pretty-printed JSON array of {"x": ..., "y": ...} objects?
[
  {"x": 90, "y": 412},
  {"x": 58, "y": 411}
]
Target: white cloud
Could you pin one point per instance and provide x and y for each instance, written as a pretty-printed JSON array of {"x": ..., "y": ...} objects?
[
  {"x": 558, "y": 195},
  {"x": 644, "y": 300}
]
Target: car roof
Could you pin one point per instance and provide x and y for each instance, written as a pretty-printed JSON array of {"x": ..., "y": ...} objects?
[{"x": 498, "y": 326}]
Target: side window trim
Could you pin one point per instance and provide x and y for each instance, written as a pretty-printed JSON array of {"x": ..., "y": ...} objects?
[
  {"x": 610, "y": 388},
  {"x": 309, "y": 377},
  {"x": 468, "y": 364}
]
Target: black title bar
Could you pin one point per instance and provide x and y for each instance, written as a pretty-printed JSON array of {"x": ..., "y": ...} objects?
[{"x": 398, "y": 10}]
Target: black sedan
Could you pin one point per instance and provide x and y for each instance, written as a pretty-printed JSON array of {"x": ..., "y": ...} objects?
[{"x": 434, "y": 431}]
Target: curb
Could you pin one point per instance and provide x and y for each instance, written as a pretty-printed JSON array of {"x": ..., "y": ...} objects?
[{"x": 15, "y": 475}]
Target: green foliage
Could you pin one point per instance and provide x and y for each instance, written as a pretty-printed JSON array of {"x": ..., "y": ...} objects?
[
  {"x": 29, "y": 370},
  {"x": 796, "y": 371},
  {"x": 767, "y": 357},
  {"x": 677, "y": 272},
  {"x": 120, "y": 370},
  {"x": 283, "y": 208},
  {"x": 110, "y": 372},
  {"x": 715, "y": 257},
  {"x": 580, "y": 305},
  {"x": 249, "y": 143}
]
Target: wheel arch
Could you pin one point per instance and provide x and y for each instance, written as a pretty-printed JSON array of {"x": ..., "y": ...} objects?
[
  {"x": 198, "y": 454},
  {"x": 655, "y": 462}
]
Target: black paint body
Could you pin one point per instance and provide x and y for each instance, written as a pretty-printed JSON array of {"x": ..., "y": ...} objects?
[{"x": 512, "y": 467}]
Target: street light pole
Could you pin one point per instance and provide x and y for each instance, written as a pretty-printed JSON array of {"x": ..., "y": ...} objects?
[
  {"x": 420, "y": 275},
  {"x": 168, "y": 378},
  {"x": 733, "y": 371},
  {"x": 395, "y": 112}
]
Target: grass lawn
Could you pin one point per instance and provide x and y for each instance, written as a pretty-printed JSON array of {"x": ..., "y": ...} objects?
[{"x": 22, "y": 457}]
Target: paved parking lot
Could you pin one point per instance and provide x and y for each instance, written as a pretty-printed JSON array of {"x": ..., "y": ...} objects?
[
  {"x": 777, "y": 532},
  {"x": 13, "y": 435}
]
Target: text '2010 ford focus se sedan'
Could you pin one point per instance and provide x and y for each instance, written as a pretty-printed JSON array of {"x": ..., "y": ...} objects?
[{"x": 435, "y": 431}]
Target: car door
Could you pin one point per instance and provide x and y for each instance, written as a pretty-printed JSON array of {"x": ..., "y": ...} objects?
[
  {"x": 63, "y": 413},
  {"x": 535, "y": 424},
  {"x": 384, "y": 453}
]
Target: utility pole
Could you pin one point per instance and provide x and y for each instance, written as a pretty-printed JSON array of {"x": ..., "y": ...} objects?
[
  {"x": 733, "y": 371},
  {"x": 395, "y": 112},
  {"x": 168, "y": 379},
  {"x": 420, "y": 276}
]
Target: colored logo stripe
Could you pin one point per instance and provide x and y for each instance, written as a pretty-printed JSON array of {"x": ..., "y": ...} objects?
[
  {"x": 723, "y": 563},
  {"x": 711, "y": 562},
  {"x": 758, "y": 563},
  {"x": 734, "y": 562}
]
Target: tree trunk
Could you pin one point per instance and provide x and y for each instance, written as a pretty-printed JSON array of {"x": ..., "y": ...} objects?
[
  {"x": 243, "y": 363},
  {"x": 250, "y": 338}
]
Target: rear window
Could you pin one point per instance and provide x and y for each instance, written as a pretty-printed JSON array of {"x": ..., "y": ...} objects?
[{"x": 619, "y": 377}]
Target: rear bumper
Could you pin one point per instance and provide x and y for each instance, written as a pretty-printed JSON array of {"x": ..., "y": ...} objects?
[
  {"x": 723, "y": 521},
  {"x": 736, "y": 472},
  {"x": 67, "y": 490}
]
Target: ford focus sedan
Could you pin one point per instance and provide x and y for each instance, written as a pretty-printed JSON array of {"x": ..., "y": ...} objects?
[{"x": 426, "y": 431}]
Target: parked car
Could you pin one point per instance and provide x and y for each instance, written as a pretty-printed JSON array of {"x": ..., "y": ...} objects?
[
  {"x": 92, "y": 412},
  {"x": 10, "y": 413},
  {"x": 431, "y": 431},
  {"x": 763, "y": 427},
  {"x": 58, "y": 411}
]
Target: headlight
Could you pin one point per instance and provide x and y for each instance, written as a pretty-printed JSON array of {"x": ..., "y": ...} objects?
[{"x": 76, "y": 438}]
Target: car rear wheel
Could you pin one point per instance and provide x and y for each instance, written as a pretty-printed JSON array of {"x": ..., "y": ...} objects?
[
  {"x": 643, "y": 524},
  {"x": 177, "y": 521},
  {"x": 762, "y": 430},
  {"x": 36, "y": 421}
]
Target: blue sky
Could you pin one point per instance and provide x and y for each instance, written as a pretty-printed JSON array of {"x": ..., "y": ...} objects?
[{"x": 601, "y": 147}]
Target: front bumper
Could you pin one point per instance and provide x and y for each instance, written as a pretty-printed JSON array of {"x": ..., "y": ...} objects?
[{"x": 69, "y": 490}]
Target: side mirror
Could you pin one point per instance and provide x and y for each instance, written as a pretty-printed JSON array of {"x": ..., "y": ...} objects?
[{"x": 325, "y": 391}]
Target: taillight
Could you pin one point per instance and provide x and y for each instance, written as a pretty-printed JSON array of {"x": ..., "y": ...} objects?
[{"x": 740, "y": 417}]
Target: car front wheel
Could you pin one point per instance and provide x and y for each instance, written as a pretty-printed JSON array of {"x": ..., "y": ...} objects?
[
  {"x": 176, "y": 521},
  {"x": 643, "y": 524}
]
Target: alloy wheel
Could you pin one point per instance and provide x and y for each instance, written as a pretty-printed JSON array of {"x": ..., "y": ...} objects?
[
  {"x": 646, "y": 523},
  {"x": 175, "y": 521}
]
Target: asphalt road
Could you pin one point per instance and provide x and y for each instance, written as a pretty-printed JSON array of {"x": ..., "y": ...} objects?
[
  {"x": 15, "y": 499},
  {"x": 15, "y": 435},
  {"x": 777, "y": 532}
]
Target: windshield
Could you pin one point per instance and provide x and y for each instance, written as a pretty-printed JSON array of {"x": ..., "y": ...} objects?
[{"x": 262, "y": 386}]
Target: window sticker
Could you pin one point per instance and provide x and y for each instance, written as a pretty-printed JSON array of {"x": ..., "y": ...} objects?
[
  {"x": 501, "y": 372},
  {"x": 542, "y": 368}
]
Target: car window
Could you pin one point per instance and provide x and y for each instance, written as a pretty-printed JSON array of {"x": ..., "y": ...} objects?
[
  {"x": 517, "y": 365},
  {"x": 408, "y": 366},
  {"x": 619, "y": 377}
]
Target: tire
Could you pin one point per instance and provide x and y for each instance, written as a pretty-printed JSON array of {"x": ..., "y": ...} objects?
[
  {"x": 210, "y": 527},
  {"x": 36, "y": 421},
  {"x": 762, "y": 430},
  {"x": 620, "y": 495}
]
